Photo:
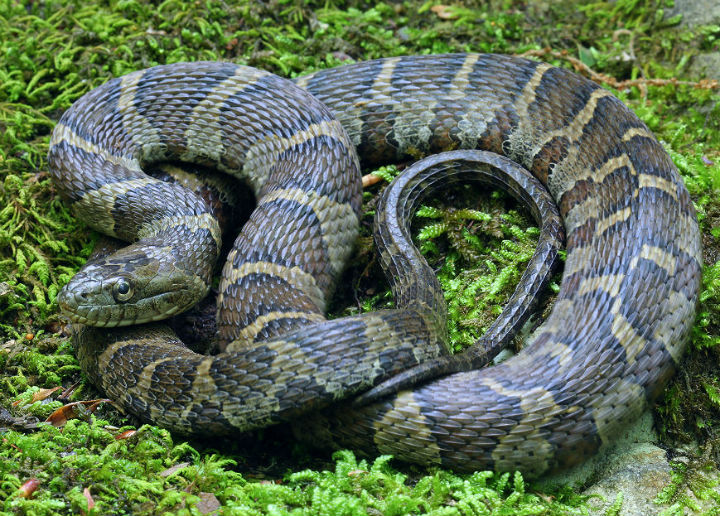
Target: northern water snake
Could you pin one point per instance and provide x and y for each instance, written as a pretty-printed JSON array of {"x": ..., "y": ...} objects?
[{"x": 618, "y": 328}]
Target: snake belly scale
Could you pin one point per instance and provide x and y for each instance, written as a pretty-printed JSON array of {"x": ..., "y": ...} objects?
[{"x": 617, "y": 330}]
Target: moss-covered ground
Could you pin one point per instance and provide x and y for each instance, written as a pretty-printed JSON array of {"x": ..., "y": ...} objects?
[{"x": 52, "y": 52}]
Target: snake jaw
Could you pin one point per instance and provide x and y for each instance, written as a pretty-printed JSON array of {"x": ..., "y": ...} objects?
[
  {"x": 105, "y": 295},
  {"x": 96, "y": 306},
  {"x": 88, "y": 299}
]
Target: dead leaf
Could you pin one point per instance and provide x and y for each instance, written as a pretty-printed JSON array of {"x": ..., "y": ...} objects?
[
  {"x": 370, "y": 179},
  {"x": 53, "y": 327},
  {"x": 5, "y": 441},
  {"x": 89, "y": 498},
  {"x": 43, "y": 394},
  {"x": 9, "y": 345},
  {"x": 28, "y": 488},
  {"x": 341, "y": 56},
  {"x": 546, "y": 498},
  {"x": 444, "y": 12},
  {"x": 173, "y": 469},
  {"x": 125, "y": 435},
  {"x": 67, "y": 392},
  {"x": 75, "y": 410}
]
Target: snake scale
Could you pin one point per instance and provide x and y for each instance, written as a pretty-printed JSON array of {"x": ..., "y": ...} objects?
[{"x": 615, "y": 334}]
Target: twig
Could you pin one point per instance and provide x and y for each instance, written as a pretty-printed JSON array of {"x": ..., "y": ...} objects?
[{"x": 704, "y": 84}]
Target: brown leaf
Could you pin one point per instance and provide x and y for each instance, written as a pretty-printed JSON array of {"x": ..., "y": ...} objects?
[
  {"x": 89, "y": 498},
  {"x": 28, "y": 488},
  {"x": 370, "y": 179},
  {"x": 67, "y": 392},
  {"x": 5, "y": 441},
  {"x": 444, "y": 12},
  {"x": 125, "y": 435},
  {"x": 73, "y": 410},
  {"x": 546, "y": 498},
  {"x": 43, "y": 394},
  {"x": 173, "y": 469}
]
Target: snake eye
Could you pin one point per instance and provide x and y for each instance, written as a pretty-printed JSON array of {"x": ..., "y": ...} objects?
[{"x": 122, "y": 290}]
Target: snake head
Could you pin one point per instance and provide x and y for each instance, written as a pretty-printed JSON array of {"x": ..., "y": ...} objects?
[{"x": 135, "y": 285}]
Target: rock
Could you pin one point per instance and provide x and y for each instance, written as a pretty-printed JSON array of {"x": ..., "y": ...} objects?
[
  {"x": 633, "y": 466},
  {"x": 695, "y": 12},
  {"x": 639, "y": 473},
  {"x": 706, "y": 65}
]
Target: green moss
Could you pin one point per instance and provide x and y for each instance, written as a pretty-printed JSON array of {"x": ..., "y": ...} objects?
[
  {"x": 48, "y": 363},
  {"x": 693, "y": 487},
  {"x": 56, "y": 50},
  {"x": 123, "y": 475},
  {"x": 480, "y": 253},
  {"x": 148, "y": 473}
]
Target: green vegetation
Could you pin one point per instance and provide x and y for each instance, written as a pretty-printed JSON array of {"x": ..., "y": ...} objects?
[
  {"x": 482, "y": 261},
  {"x": 148, "y": 474},
  {"x": 693, "y": 483},
  {"x": 56, "y": 50}
]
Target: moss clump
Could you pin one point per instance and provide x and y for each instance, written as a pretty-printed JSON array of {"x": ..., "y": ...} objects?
[
  {"x": 148, "y": 473},
  {"x": 480, "y": 253}
]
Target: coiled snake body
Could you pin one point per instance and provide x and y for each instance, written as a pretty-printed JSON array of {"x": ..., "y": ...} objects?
[{"x": 617, "y": 330}]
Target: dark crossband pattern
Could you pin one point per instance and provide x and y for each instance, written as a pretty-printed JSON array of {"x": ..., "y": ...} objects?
[{"x": 613, "y": 338}]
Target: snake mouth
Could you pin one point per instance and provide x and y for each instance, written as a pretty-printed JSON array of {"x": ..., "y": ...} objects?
[{"x": 80, "y": 310}]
